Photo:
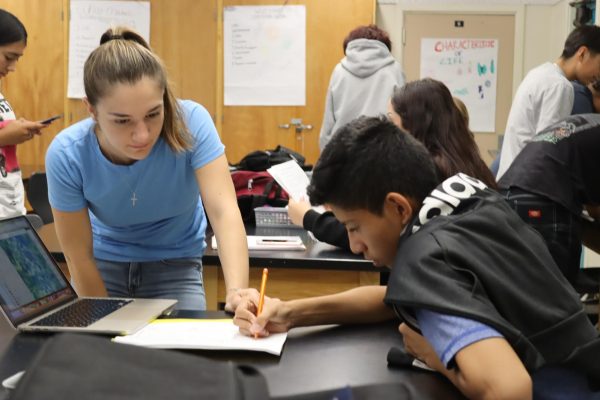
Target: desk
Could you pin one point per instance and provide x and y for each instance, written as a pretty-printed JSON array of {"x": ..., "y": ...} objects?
[
  {"x": 320, "y": 269},
  {"x": 313, "y": 359}
]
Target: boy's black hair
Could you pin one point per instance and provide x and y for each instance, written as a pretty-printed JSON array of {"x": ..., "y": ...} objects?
[
  {"x": 587, "y": 35},
  {"x": 365, "y": 160},
  {"x": 11, "y": 29}
]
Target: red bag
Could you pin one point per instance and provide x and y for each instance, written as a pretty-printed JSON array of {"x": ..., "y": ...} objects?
[{"x": 257, "y": 189}]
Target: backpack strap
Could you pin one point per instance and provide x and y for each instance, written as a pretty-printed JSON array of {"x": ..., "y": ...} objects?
[{"x": 261, "y": 199}]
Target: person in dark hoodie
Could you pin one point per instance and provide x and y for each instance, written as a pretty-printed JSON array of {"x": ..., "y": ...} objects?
[
  {"x": 480, "y": 298},
  {"x": 362, "y": 82}
]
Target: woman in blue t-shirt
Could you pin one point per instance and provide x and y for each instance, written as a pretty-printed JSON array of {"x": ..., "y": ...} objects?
[{"x": 128, "y": 187}]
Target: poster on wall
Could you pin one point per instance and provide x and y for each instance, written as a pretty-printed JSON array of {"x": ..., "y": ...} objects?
[
  {"x": 264, "y": 55},
  {"x": 469, "y": 68},
  {"x": 89, "y": 20}
]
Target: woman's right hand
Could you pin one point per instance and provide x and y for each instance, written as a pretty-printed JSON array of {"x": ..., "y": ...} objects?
[
  {"x": 296, "y": 211},
  {"x": 19, "y": 131}
]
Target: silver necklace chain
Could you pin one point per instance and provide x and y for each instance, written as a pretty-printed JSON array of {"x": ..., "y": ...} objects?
[{"x": 134, "y": 197}]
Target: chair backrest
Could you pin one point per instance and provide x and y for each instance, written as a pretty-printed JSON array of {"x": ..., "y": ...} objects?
[{"x": 37, "y": 194}]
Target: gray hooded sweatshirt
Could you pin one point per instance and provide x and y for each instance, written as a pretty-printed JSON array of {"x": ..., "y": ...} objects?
[{"x": 361, "y": 84}]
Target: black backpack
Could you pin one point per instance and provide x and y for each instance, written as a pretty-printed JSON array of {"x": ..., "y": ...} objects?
[
  {"x": 75, "y": 366},
  {"x": 261, "y": 160}
]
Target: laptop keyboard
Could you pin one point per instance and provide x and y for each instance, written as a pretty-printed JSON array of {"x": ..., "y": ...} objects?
[{"x": 82, "y": 313}]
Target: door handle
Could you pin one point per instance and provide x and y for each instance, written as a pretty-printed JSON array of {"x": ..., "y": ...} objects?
[
  {"x": 297, "y": 123},
  {"x": 302, "y": 127}
]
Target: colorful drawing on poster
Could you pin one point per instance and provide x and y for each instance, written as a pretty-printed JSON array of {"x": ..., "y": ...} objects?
[{"x": 469, "y": 68}]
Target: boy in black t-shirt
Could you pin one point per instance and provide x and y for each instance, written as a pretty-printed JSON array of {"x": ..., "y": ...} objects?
[{"x": 551, "y": 182}]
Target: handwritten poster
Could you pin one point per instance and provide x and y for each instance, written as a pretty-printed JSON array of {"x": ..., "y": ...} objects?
[
  {"x": 89, "y": 20},
  {"x": 265, "y": 55},
  {"x": 469, "y": 67}
]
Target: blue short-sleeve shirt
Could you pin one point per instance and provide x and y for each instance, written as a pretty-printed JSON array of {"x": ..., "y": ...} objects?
[
  {"x": 168, "y": 219},
  {"x": 449, "y": 334}
]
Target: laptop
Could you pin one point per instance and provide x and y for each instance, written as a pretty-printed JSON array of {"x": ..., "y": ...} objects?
[{"x": 36, "y": 296}]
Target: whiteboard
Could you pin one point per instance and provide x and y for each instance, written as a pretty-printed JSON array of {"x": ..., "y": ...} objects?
[
  {"x": 88, "y": 21},
  {"x": 264, "y": 54},
  {"x": 469, "y": 68}
]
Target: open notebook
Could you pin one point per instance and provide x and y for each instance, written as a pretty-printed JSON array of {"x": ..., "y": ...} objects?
[{"x": 206, "y": 334}]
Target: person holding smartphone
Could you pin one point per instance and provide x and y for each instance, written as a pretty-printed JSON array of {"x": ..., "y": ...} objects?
[{"x": 13, "y": 131}]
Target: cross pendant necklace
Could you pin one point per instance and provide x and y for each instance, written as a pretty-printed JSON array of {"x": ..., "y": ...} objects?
[
  {"x": 133, "y": 200},
  {"x": 134, "y": 197}
]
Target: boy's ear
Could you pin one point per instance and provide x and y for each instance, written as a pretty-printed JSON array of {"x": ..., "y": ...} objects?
[
  {"x": 401, "y": 205},
  {"x": 581, "y": 52}
]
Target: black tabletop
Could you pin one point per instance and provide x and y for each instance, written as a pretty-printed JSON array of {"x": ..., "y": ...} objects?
[
  {"x": 317, "y": 255},
  {"x": 313, "y": 359}
]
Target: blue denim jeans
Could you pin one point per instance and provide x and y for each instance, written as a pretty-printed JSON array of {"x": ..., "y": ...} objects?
[{"x": 177, "y": 278}]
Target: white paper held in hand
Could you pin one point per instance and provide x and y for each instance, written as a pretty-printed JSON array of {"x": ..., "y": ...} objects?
[{"x": 291, "y": 178}]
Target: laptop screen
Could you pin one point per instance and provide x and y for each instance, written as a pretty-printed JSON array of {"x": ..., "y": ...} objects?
[{"x": 30, "y": 281}]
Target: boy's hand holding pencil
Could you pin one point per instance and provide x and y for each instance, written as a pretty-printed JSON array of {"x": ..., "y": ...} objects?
[{"x": 270, "y": 319}]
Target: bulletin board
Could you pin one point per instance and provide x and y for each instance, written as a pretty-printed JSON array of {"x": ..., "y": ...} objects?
[
  {"x": 499, "y": 26},
  {"x": 469, "y": 68}
]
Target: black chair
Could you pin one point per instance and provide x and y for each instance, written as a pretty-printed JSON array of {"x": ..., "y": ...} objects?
[{"x": 37, "y": 195}]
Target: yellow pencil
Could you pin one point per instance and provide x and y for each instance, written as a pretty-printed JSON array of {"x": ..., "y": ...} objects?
[{"x": 261, "y": 300}]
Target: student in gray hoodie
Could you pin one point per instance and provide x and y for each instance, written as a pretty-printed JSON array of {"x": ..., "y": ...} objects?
[{"x": 362, "y": 82}]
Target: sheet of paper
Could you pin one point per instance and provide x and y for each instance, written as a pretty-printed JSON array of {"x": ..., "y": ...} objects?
[
  {"x": 270, "y": 243},
  {"x": 89, "y": 20},
  {"x": 292, "y": 178},
  {"x": 264, "y": 55},
  {"x": 206, "y": 334},
  {"x": 468, "y": 66}
]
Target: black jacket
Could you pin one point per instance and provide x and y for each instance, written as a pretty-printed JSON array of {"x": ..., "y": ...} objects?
[
  {"x": 326, "y": 228},
  {"x": 479, "y": 260}
]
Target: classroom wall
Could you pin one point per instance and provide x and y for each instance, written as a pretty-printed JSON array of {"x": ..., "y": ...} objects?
[
  {"x": 546, "y": 28},
  {"x": 183, "y": 33},
  {"x": 540, "y": 29}
]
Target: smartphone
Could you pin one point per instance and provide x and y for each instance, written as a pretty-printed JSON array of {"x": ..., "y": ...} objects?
[{"x": 49, "y": 120}]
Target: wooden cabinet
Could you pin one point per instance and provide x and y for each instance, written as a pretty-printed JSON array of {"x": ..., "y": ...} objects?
[
  {"x": 183, "y": 33},
  {"x": 289, "y": 283},
  {"x": 36, "y": 90},
  {"x": 187, "y": 34}
]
